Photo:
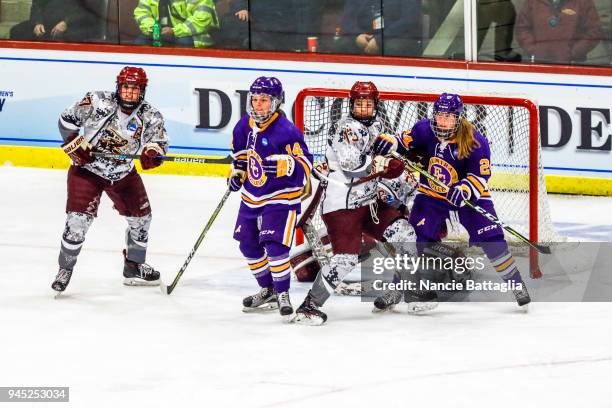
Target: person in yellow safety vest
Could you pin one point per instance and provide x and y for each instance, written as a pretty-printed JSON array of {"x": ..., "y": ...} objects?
[{"x": 183, "y": 22}]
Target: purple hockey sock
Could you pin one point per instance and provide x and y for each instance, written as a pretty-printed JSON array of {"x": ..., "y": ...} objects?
[
  {"x": 258, "y": 264},
  {"x": 280, "y": 267}
]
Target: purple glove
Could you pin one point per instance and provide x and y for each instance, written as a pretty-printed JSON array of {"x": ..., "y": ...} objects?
[
  {"x": 458, "y": 193},
  {"x": 384, "y": 144},
  {"x": 237, "y": 176}
]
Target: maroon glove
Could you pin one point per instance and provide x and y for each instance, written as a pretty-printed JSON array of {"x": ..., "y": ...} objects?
[
  {"x": 78, "y": 149},
  {"x": 388, "y": 167},
  {"x": 151, "y": 156}
]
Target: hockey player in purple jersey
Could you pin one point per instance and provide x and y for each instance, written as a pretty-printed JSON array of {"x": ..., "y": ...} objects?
[
  {"x": 271, "y": 169},
  {"x": 459, "y": 156}
]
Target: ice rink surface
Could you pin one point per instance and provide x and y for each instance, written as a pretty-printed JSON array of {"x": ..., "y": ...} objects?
[{"x": 118, "y": 346}]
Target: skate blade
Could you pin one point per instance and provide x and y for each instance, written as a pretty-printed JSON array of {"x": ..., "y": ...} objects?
[
  {"x": 421, "y": 307},
  {"x": 265, "y": 308},
  {"x": 140, "y": 282},
  {"x": 58, "y": 294},
  {"x": 307, "y": 321},
  {"x": 389, "y": 309}
]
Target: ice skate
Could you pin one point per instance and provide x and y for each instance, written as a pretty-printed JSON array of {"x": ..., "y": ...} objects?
[
  {"x": 420, "y": 300},
  {"x": 387, "y": 301},
  {"x": 309, "y": 314},
  {"x": 522, "y": 296},
  {"x": 264, "y": 300},
  {"x": 139, "y": 274},
  {"x": 61, "y": 281},
  {"x": 284, "y": 304}
]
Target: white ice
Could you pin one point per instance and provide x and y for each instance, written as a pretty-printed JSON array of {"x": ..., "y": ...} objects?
[{"x": 117, "y": 346}]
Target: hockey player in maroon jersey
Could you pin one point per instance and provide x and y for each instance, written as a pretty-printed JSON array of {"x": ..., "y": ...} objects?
[
  {"x": 356, "y": 149},
  {"x": 459, "y": 156},
  {"x": 112, "y": 122},
  {"x": 271, "y": 168}
]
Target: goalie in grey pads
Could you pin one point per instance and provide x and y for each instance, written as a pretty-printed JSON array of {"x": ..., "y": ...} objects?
[{"x": 357, "y": 149}]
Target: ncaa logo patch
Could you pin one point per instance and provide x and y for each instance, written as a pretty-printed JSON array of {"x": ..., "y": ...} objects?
[
  {"x": 264, "y": 141},
  {"x": 132, "y": 127}
]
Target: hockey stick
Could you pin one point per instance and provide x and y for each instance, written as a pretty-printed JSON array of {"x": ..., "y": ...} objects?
[
  {"x": 168, "y": 289},
  {"x": 354, "y": 183},
  {"x": 541, "y": 248},
  {"x": 200, "y": 160}
]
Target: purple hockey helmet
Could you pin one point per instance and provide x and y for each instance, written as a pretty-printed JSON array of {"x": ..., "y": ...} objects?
[
  {"x": 450, "y": 104},
  {"x": 270, "y": 86}
]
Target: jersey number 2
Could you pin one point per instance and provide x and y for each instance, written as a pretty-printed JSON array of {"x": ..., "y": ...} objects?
[{"x": 485, "y": 167}]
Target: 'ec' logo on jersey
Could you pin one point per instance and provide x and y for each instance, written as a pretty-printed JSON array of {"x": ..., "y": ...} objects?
[
  {"x": 443, "y": 171},
  {"x": 255, "y": 172}
]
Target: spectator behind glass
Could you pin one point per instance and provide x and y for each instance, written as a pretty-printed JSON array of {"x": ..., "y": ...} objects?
[
  {"x": 233, "y": 32},
  {"x": 56, "y": 20},
  {"x": 284, "y": 25},
  {"x": 503, "y": 14},
  {"x": 183, "y": 22},
  {"x": 557, "y": 31},
  {"x": 363, "y": 23}
]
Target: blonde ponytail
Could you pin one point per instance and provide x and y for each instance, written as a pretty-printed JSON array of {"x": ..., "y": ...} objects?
[{"x": 466, "y": 142}]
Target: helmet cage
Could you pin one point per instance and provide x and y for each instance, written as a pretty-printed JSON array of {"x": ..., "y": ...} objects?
[
  {"x": 450, "y": 104},
  {"x": 276, "y": 102},
  {"x": 131, "y": 76},
  {"x": 446, "y": 133},
  {"x": 365, "y": 121},
  {"x": 363, "y": 90}
]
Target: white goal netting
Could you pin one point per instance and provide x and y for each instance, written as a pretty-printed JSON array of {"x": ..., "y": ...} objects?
[{"x": 509, "y": 124}]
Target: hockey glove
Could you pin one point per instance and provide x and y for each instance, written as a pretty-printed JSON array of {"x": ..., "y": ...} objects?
[
  {"x": 458, "y": 193},
  {"x": 151, "y": 156},
  {"x": 237, "y": 175},
  {"x": 388, "y": 167},
  {"x": 278, "y": 165},
  {"x": 78, "y": 149},
  {"x": 384, "y": 144}
]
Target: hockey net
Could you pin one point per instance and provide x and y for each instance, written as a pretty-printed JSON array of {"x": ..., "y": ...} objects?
[{"x": 509, "y": 124}]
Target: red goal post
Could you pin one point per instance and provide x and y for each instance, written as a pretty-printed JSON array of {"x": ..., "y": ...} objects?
[{"x": 508, "y": 124}]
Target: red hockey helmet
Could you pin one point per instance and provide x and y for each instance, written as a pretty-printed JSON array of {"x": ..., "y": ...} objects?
[
  {"x": 131, "y": 76},
  {"x": 363, "y": 90}
]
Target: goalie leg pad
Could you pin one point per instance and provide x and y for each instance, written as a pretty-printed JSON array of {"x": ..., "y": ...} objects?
[
  {"x": 304, "y": 263},
  {"x": 331, "y": 275}
]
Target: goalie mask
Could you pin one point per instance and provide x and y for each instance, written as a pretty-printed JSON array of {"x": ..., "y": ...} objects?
[
  {"x": 268, "y": 86},
  {"x": 131, "y": 76},
  {"x": 364, "y": 91},
  {"x": 445, "y": 108}
]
